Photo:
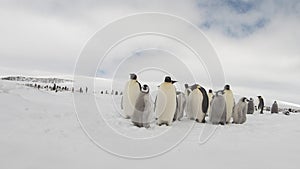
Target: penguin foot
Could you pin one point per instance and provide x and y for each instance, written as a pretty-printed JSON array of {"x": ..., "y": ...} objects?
[{"x": 160, "y": 124}]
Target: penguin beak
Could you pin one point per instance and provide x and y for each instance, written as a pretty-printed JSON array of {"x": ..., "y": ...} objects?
[{"x": 174, "y": 81}]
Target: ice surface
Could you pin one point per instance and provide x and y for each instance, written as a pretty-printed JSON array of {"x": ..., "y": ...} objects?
[{"x": 39, "y": 129}]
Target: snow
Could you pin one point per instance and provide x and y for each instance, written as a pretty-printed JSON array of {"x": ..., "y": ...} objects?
[{"x": 40, "y": 129}]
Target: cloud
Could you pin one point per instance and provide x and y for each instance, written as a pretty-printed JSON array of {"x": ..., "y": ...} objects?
[
  {"x": 241, "y": 18},
  {"x": 257, "y": 41}
]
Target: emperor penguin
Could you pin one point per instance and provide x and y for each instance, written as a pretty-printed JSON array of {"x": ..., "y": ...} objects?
[
  {"x": 274, "y": 108},
  {"x": 228, "y": 94},
  {"x": 217, "y": 114},
  {"x": 250, "y": 106},
  {"x": 261, "y": 104},
  {"x": 210, "y": 96},
  {"x": 141, "y": 116},
  {"x": 197, "y": 104},
  {"x": 131, "y": 92},
  {"x": 187, "y": 90},
  {"x": 180, "y": 106},
  {"x": 240, "y": 111},
  {"x": 165, "y": 105}
]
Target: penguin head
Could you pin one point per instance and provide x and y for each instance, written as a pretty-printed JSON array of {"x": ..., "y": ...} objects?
[
  {"x": 244, "y": 99},
  {"x": 251, "y": 99},
  {"x": 259, "y": 97},
  {"x": 186, "y": 85},
  {"x": 133, "y": 76},
  {"x": 145, "y": 88},
  {"x": 219, "y": 92},
  {"x": 210, "y": 91},
  {"x": 227, "y": 87},
  {"x": 169, "y": 80}
]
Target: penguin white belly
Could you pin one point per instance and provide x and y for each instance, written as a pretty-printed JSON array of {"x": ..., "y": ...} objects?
[
  {"x": 181, "y": 103},
  {"x": 191, "y": 114},
  {"x": 166, "y": 103},
  {"x": 210, "y": 95},
  {"x": 229, "y": 105},
  {"x": 195, "y": 103},
  {"x": 131, "y": 92},
  {"x": 243, "y": 113}
]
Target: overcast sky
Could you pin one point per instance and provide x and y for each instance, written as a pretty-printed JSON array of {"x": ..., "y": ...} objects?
[{"x": 257, "y": 41}]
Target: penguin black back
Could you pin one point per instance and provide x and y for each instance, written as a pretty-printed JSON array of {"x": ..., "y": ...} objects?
[{"x": 205, "y": 101}]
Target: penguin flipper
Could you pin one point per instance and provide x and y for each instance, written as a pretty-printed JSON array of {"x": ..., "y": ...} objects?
[
  {"x": 205, "y": 100},
  {"x": 122, "y": 107},
  {"x": 154, "y": 106}
]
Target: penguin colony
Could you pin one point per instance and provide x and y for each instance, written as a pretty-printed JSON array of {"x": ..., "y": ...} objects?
[{"x": 194, "y": 103}]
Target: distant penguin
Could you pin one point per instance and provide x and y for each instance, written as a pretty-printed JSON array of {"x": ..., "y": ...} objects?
[
  {"x": 261, "y": 104},
  {"x": 197, "y": 104},
  {"x": 210, "y": 96},
  {"x": 143, "y": 109},
  {"x": 250, "y": 106},
  {"x": 286, "y": 112},
  {"x": 217, "y": 114},
  {"x": 165, "y": 104},
  {"x": 187, "y": 90},
  {"x": 240, "y": 111},
  {"x": 180, "y": 105},
  {"x": 229, "y": 102},
  {"x": 131, "y": 92},
  {"x": 274, "y": 108}
]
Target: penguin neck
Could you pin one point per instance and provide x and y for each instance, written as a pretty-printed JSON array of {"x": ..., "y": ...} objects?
[{"x": 168, "y": 83}]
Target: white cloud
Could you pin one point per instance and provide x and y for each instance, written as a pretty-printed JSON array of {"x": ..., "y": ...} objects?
[{"x": 257, "y": 41}]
